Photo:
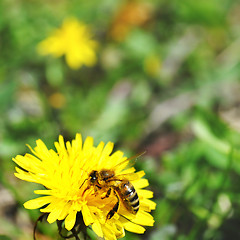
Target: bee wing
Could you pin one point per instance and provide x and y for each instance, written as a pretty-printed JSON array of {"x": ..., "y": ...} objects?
[
  {"x": 129, "y": 162},
  {"x": 128, "y": 176}
]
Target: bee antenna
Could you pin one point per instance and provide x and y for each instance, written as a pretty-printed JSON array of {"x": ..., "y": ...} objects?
[
  {"x": 83, "y": 182},
  {"x": 85, "y": 179}
]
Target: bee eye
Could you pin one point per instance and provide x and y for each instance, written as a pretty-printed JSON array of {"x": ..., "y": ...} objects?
[{"x": 93, "y": 176}]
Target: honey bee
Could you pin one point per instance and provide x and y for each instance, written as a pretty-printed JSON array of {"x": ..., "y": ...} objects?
[{"x": 121, "y": 187}]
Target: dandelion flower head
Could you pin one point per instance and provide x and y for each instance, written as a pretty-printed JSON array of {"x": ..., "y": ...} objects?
[
  {"x": 64, "y": 173},
  {"x": 74, "y": 41}
]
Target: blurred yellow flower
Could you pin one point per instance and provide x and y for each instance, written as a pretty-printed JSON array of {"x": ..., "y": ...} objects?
[
  {"x": 74, "y": 41},
  {"x": 68, "y": 175}
]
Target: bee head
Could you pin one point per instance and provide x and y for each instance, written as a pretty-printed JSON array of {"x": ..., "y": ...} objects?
[{"x": 93, "y": 176}]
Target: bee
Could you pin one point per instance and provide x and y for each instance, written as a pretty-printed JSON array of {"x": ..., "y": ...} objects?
[{"x": 119, "y": 185}]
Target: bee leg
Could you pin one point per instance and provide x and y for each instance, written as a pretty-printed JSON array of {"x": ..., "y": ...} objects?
[
  {"x": 108, "y": 193},
  {"x": 85, "y": 189},
  {"x": 114, "y": 209},
  {"x": 96, "y": 188}
]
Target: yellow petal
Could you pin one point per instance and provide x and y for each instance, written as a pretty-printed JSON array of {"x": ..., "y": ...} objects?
[
  {"x": 77, "y": 143},
  {"x": 99, "y": 150},
  {"x": 108, "y": 232},
  {"x": 147, "y": 203},
  {"x": 50, "y": 207},
  {"x": 38, "y": 202},
  {"x": 119, "y": 229},
  {"x": 44, "y": 192},
  {"x": 108, "y": 149},
  {"x": 145, "y": 193},
  {"x": 70, "y": 220},
  {"x": 132, "y": 227},
  {"x": 141, "y": 174},
  {"x": 117, "y": 157},
  {"x": 141, "y": 183},
  {"x": 28, "y": 162},
  {"x": 61, "y": 143},
  {"x": 41, "y": 150},
  {"x": 53, "y": 216},
  {"x": 143, "y": 218},
  {"x": 104, "y": 159},
  {"x": 129, "y": 170},
  {"x": 87, "y": 216},
  {"x": 145, "y": 208},
  {"x": 65, "y": 211},
  {"x": 96, "y": 227},
  {"x": 69, "y": 147},
  {"x": 88, "y": 143},
  {"x": 26, "y": 176}
]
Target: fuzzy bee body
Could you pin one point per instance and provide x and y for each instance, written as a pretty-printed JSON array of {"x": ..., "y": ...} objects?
[
  {"x": 121, "y": 187},
  {"x": 129, "y": 196}
]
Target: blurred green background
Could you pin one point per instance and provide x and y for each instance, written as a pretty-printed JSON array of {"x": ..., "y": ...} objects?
[{"x": 166, "y": 81}]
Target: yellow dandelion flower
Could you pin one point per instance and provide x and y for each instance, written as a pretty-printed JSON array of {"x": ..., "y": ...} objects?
[
  {"x": 93, "y": 181},
  {"x": 74, "y": 41}
]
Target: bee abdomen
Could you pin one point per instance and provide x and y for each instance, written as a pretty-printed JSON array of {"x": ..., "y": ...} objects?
[{"x": 130, "y": 196}]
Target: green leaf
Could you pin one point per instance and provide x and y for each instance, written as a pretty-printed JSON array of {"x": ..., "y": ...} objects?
[{"x": 202, "y": 131}]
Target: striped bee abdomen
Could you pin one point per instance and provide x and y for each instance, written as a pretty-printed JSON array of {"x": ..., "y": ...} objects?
[{"x": 129, "y": 196}]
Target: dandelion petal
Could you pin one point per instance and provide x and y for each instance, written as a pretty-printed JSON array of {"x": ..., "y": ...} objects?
[
  {"x": 38, "y": 202},
  {"x": 131, "y": 227},
  {"x": 70, "y": 220},
  {"x": 97, "y": 229},
  {"x": 87, "y": 216}
]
